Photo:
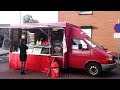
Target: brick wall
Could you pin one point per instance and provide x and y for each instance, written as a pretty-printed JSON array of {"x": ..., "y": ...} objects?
[{"x": 102, "y": 21}]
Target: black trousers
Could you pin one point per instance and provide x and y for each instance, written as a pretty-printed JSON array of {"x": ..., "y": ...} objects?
[
  {"x": 22, "y": 69},
  {"x": 23, "y": 61}
]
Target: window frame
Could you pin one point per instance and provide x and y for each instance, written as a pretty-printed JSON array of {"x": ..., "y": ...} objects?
[
  {"x": 76, "y": 46},
  {"x": 85, "y": 12},
  {"x": 85, "y": 28}
]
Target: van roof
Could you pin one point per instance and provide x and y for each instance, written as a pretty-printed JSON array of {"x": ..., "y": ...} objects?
[
  {"x": 33, "y": 25},
  {"x": 36, "y": 25}
]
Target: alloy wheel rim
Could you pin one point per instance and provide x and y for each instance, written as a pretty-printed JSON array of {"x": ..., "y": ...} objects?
[{"x": 93, "y": 70}]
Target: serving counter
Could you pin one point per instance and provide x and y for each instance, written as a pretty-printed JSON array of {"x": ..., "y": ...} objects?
[{"x": 34, "y": 62}]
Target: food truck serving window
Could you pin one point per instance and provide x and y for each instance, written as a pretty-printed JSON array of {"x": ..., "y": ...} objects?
[
  {"x": 40, "y": 40},
  {"x": 37, "y": 40}
]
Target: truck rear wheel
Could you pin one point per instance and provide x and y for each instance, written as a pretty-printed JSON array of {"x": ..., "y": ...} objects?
[{"x": 94, "y": 69}]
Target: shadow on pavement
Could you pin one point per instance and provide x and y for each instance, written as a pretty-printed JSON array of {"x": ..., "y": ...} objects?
[
  {"x": 73, "y": 71},
  {"x": 112, "y": 73}
]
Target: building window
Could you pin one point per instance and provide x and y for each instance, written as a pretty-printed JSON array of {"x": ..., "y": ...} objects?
[
  {"x": 87, "y": 30},
  {"x": 85, "y": 12}
]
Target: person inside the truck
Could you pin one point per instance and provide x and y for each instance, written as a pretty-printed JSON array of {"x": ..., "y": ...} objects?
[
  {"x": 39, "y": 41},
  {"x": 45, "y": 42}
]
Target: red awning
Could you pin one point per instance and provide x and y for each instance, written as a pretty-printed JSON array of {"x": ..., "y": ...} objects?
[{"x": 34, "y": 25}]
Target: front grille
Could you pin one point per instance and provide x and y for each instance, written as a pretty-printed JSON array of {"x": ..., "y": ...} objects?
[{"x": 114, "y": 58}]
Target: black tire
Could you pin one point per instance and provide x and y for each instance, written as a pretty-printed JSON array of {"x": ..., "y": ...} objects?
[{"x": 94, "y": 69}]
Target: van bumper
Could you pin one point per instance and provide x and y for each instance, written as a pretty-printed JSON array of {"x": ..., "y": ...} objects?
[{"x": 108, "y": 67}]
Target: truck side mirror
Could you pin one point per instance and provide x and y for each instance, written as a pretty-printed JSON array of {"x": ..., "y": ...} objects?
[{"x": 80, "y": 46}]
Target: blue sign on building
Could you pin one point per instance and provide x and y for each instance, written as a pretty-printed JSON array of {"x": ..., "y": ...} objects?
[{"x": 117, "y": 28}]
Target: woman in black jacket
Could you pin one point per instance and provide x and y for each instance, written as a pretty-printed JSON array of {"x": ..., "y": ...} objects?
[{"x": 23, "y": 55}]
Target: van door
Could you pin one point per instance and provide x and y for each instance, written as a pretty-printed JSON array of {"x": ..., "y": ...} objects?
[{"x": 79, "y": 54}]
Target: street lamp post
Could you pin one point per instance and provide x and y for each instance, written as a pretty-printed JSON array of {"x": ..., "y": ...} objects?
[
  {"x": 20, "y": 17},
  {"x": 118, "y": 45}
]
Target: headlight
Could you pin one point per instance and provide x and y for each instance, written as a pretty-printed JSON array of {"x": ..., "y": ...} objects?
[{"x": 109, "y": 57}]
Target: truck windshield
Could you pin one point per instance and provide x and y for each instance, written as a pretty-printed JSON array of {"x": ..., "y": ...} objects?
[{"x": 93, "y": 44}]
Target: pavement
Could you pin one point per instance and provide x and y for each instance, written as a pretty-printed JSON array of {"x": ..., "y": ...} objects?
[{"x": 8, "y": 73}]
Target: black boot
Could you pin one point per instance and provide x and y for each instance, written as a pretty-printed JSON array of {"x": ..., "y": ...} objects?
[{"x": 22, "y": 73}]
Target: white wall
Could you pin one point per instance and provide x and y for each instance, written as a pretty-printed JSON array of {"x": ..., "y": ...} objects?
[
  {"x": 13, "y": 17},
  {"x": 9, "y": 17}
]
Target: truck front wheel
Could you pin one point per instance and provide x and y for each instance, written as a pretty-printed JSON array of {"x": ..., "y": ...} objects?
[{"x": 93, "y": 69}]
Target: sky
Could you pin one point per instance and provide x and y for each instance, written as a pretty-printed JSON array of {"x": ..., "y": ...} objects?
[{"x": 13, "y": 17}]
